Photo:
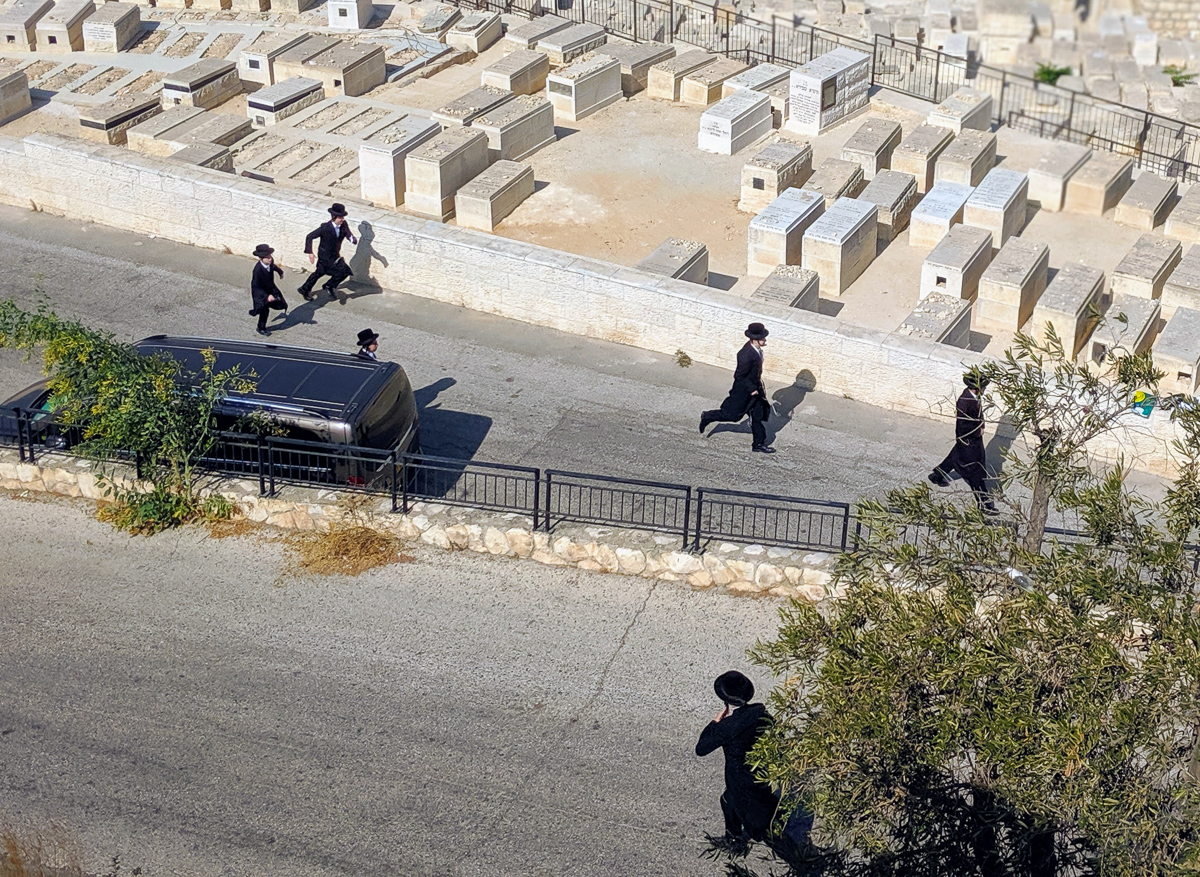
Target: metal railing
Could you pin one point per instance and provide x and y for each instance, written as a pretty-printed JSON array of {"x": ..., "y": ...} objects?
[
  {"x": 764, "y": 519},
  {"x": 621, "y": 502}
]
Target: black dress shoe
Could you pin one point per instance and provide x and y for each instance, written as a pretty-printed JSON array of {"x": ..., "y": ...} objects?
[
  {"x": 262, "y": 332},
  {"x": 763, "y": 449},
  {"x": 253, "y": 312},
  {"x": 704, "y": 421},
  {"x": 938, "y": 479},
  {"x": 308, "y": 296},
  {"x": 332, "y": 292}
]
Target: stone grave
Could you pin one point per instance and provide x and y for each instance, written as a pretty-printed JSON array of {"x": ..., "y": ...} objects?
[
  {"x": 945, "y": 319},
  {"x": 775, "y": 168},
  {"x": 346, "y": 68},
  {"x": 18, "y": 24},
  {"x": 955, "y": 265},
  {"x": 968, "y": 159},
  {"x": 209, "y": 155},
  {"x": 790, "y": 286},
  {"x": 436, "y": 169},
  {"x": 521, "y": 72},
  {"x": 437, "y": 22},
  {"x": 966, "y": 109},
  {"x": 776, "y": 235},
  {"x": 940, "y": 209},
  {"x": 760, "y": 77},
  {"x": 841, "y": 243},
  {"x": 1071, "y": 304},
  {"x": 779, "y": 93},
  {"x": 1182, "y": 287},
  {"x": 664, "y": 79},
  {"x": 828, "y": 90},
  {"x": 108, "y": 121},
  {"x": 216, "y": 129},
  {"x": 918, "y": 153},
  {"x": 290, "y": 60},
  {"x": 564, "y": 46},
  {"x": 1134, "y": 334},
  {"x": 61, "y": 29},
  {"x": 114, "y": 27},
  {"x": 836, "y": 179},
  {"x": 999, "y": 204},
  {"x": 527, "y": 35},
  {"x": 679, "y": 259},
  {"x": 1011, "y": 286},
  {"x": 735, "y": 122},
  {"x": 381, "y": 162},
  {"x": 701, "y": 87},
  {"x": 206, "y": 84},
  {"x": 1099, "y": 184},
  {"x": 588, "y": 85},
  {"x": 14, "y": 95},
  {"x": 475, "y": 32},
  {"x": 518, "y": 128},
  {"x": 1048, "y": 178},
  {"x": 895, "y": 194},
  {"x": 1177, "y": 352},
  {"x": 349, "y": 14},
  {"x": 494, "y": 194},
  {"x": 872, "y": 146},
  {"x": 636, "y": 60},
  {"x": 1146, "y": 267},
  {"x": 464, "y": 109},
  {"x": 149, "y": 137},
  {"x": 1147, "y": 202},
  {"x": 269, "y": 105},
  {"x": 256, "y": 62},
  {"x": 1184, "y": 222}
]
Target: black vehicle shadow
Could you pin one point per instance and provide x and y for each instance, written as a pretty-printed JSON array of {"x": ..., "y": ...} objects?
[{"x": 454, "y": 436}]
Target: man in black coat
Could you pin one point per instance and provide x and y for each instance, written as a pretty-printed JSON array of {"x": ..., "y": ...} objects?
[
  {"x": 263, "y": 292},
  {"x": 968, "y": 457},
  {"x": 368, "y": 343},
  {"x": 748, "y": 395},
  {"x": 328, "y": 259},
  {"x": 749, "y": 805}
]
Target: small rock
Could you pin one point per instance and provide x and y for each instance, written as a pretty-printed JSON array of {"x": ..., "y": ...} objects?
[
  {"x": 768, "y": 575},
  {"x": 816, "y": 577},
  {"x": 631, "y": 561},
  {"x": 520, "y": 542},
  {"x": 754, "y": 550},
  {"x": 701, "y": 579},
  {"x": 776, "y": 553},
  {"x": 742, "y": 589},
  {"x": 458, "y": 536},
  {"x": 547, "y": 557},
  {"x": 494, "y": 541},
  {"x": 793, "y": 574},
  {"x": 681, "y": 563},
  {"x": 569, "y": 551},
  {"x": 436, "y": 536},
  {"x": 728, "y": 548}
]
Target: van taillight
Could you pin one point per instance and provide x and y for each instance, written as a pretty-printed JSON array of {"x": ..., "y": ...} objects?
[{"x": 356, "y": 481}]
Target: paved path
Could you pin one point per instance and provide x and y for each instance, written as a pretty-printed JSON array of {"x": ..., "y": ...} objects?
[{"x": 173, "y": 700}]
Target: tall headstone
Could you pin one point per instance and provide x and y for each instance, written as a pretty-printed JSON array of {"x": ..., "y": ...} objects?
[{"x": 828, "y": 90}]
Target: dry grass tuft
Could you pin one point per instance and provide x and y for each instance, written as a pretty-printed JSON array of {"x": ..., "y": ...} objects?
[
  {"x": 38, "y": 853},
  {"x": 233, "y": 528},
  {"x": 348, "y": 548}
]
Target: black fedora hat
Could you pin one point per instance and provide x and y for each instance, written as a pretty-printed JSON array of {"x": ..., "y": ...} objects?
[
  {"x": 756, "y": 332},
  {"x": 338, "y": 209},
  {"x": 366, "y": 336},
  {"x": 262, "y": 251},
  {"x": 975, "y": 380},
  {"x": 734, "y": 688}
]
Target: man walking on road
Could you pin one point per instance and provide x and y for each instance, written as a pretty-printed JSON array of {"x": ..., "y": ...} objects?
[
  {"x": 748, "y": 395},
  {"x": 328, "y": 258},
  {"x": 968, "y": 457}
]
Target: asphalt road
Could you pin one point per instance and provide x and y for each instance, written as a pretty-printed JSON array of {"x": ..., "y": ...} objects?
[{"x": 175, "y": 701}]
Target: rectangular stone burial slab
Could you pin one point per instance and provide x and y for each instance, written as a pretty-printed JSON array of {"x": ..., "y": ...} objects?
[
  {"x": 494, "y": 194},
  {"x": 14, "y": 95},
  {"x": 1048, "y": 178},
  {"x": 1184, "y": 222},
  {"x": 701, "y": 87},
  {"x": 760, "y": 77},
  {"x": 1146, "y": 267},
  {"x": 1147, "y": 202},
  {"x": 475, "y": 32},
  {"x": 735, "y": 122},
  {"x": 940, "y": 209},
  {"x": 999, "y": 204},
  {"x": 955, "y": 265},
  {"x": 256, "y": 62},
  {"x": 437, "y": 21},
  {"x": 588, "y": 85},
  {"x": 349, "y": 14},
  {"x": 108, "y": 122},
  {"x": 836, "y": 179},
  {"x": 776, "y": 235},
  {"x": 290, "y": 60},
  {"x": 774, "y": 169},
  {"x": 517, "y": 128},
  {"x": 895, "y": 194},
  {"x": 1133, "y": 334},
  {"x": 943, "y": 318},
  {"x": 61, "y": 29},
  {"x": 680, "y": 259},
  {"x": 351, "y": 69},
  {"x": 780, "y": 96},
  {"x": 665, "y": 78},
  {"x": 521, "y": 72},
  {"x": 968, "y": 159},
  {"x": 149, "y": 137},
  {"x": 841, "y": 243},
  {"x": 527, "y": 35},
  {"x": 1182, "y": 287},
  {"x": 381, "y": 162},
  {"x": 872, "y": 146},
  {"x": 439, "y": 167},
  {"x": 636, "y": 60},
  {"x": 790, "y": 286},
  {"x": 918, "y": 153},
  {"x": 564, "y": 46},
  {"x": 828, "y": 90},
  {"x": 221, "y": 129},
  {"x": 468, "y": 107},
  {"x": 967, "y": 108},
  {"x": 209, "y": 155},
  {"x": 269, "y": 105},
  {"x": 1177, "y": 352},
  {"x": 1011, "y": 285},
  {"x": 113, "y": 27},
  {"x": 1069, "y": 304},
  {"x": 1099, "y": 184},
  {"x": 18, "y": 24},
  {"x": 206, "y": 84}
]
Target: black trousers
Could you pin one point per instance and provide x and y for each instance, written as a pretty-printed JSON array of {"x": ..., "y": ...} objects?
[
  {"x": 265, "y": 311},
  {"x": 757, "y": 430},
  {"x": 968, "y": 461},
  {"x": 336, "y": 271}
]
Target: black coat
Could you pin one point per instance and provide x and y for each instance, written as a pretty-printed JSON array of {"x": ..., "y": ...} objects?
[
  {"x": 752, "y": 801},
  {"x": 968, "y": 427},
  {"x": 330, "y": 237},
  {"x": 262, "y": 284},
  {"x": 747, "y": 378}
]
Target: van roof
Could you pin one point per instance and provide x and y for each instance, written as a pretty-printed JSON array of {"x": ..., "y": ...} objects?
[{"x": 332, "y": 385}]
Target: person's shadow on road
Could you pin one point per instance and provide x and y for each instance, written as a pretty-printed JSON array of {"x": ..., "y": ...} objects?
[{"x": 784, "y": 403}]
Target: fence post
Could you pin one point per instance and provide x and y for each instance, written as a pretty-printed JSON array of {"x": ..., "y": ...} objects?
[
  {"x": 874, "y": 55},
  {"x": 687, "y": 515},
  {"x": 699, "y": 518},
  {"x": 262, "y": 481},
  {"x": 537, "y": 496},
  {"x": 392, "y": 461},
  {"x": 845, "y": 526},
  {"x": 271, "y": 466},
  {"x": 1141, "y": 145},
  {"x": 774, "y": 42},
  {"x": 549, "y": 478},
  {"x": 670, "y": 22},
  {"x": 1003, "y": 88},
  {"x": 937, "y": 76},
  {"x": 404, "y": 482},
  {"x": 812, "y": 41},
  {"x": 23, "y": 432}
]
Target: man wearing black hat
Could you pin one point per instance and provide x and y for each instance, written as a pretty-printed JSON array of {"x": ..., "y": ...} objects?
[
  {"x": 263, "y": 291},
  {"x": 329, "y": 261},
  {"x": 748, "y": 805},
  {"x": 968, "y": 457},
  {"x": 368, "y": 343},
  {"x": 748, "y": 395}
]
